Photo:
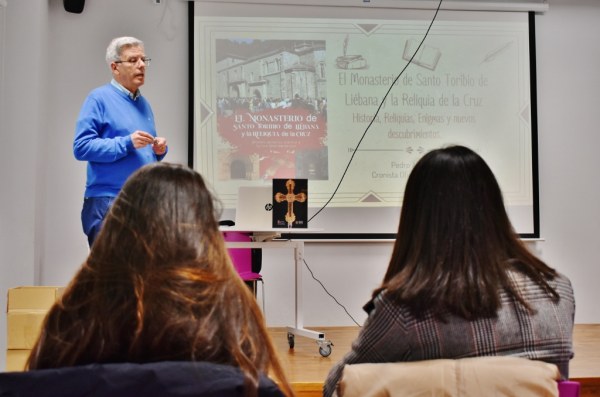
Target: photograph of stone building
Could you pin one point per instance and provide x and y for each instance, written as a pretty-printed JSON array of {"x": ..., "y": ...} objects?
[{"x": 259, "y": 74}]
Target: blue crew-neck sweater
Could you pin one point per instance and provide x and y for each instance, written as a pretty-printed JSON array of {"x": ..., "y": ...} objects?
[{"x": 107, "y": 118}]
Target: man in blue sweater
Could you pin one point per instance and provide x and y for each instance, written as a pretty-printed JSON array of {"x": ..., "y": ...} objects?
[{"x": 115, "y": 132}]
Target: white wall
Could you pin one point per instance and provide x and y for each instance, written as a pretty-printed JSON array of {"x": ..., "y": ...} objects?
[
  {"x": 50, "y": 59},
  {"x": 22, "y": 111},
  {"x": 569, "y": 136}
]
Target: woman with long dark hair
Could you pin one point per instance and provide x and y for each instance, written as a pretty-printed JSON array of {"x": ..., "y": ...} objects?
[
  {"x": 460, "y": 282},
  {"x": 158, "y": 285}
]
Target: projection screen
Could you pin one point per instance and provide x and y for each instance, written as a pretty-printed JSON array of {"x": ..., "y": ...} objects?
[{"x": 341, "y": 96}]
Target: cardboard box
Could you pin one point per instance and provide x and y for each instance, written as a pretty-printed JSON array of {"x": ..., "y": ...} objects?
[
  {"x": 32, "y": 298},
  {"x": 26, "y": 309},
  {"x": 16, "y": 359},
  {"x": 23, "y": 328}
]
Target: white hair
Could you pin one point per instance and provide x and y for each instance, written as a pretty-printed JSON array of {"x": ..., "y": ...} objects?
[{"x": 116, "y": 46}]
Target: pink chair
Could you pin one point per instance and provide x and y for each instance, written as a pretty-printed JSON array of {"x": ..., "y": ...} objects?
[
  {"x": 242, "y": 261},
  {"x": 568, "y": 388}
]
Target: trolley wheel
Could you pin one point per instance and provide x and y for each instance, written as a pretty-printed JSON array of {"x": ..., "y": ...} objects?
[
  {"x": 325, "y": 350},
  {"x": 291, "y": 340}
]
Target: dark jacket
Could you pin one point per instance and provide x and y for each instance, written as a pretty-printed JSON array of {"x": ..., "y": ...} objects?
[{"x": 161, "y": 379}]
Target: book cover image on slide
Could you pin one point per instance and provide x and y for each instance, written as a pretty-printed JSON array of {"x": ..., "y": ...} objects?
[
  {"x": 290, "y": 203},
  {"x": 271, "y": 101}
]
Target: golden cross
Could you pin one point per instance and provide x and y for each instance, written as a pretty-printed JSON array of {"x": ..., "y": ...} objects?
[{"x": 290, "y": 197}]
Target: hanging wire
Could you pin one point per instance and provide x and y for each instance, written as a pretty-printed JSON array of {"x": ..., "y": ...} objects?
[{"x": 377, "y": 111}]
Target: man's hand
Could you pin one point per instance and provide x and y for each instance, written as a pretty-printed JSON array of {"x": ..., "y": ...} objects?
[
  {"x": 159, "y": 146},
  {"x": 141, "y": 139}
]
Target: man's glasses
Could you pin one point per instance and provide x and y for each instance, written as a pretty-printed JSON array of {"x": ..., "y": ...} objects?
[{"x": 135, "y": 61}]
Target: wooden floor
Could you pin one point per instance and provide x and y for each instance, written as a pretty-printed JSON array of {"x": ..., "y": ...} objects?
[{"x": 307, "y": 369}]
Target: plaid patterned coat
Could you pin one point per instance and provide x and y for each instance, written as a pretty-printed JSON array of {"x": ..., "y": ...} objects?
[{"x": 392, "y": 334}]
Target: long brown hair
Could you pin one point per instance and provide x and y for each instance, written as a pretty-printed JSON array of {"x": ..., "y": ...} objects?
[
  {"x": 455, "y": 243},
  {"x": 158, "y": 285}
]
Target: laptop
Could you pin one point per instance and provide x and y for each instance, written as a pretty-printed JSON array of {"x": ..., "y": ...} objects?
[{"x": 254, "y": 210}]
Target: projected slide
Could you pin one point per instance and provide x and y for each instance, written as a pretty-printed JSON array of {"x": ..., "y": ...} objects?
[{"x": 281, "y": 97}]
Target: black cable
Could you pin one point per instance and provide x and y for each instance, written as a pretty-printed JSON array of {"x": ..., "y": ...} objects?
[
  {"x": 356, "y": 149},
  {"x": 327, "y": 292},
  {"x": 377, "y": 111}
]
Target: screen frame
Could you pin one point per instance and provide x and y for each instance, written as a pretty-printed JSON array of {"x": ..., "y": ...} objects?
[{"x": 369, "y": 236}]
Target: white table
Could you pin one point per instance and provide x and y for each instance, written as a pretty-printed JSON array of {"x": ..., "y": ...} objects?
[{"x": 269, "y": 239}]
